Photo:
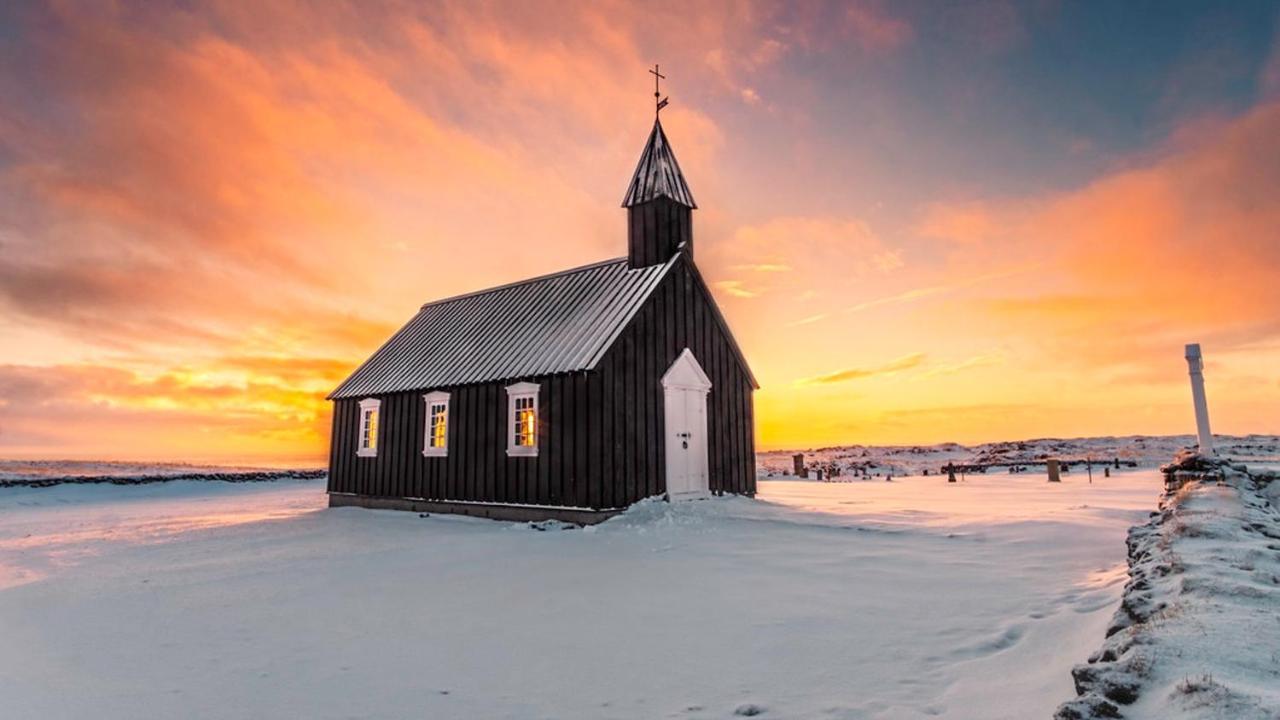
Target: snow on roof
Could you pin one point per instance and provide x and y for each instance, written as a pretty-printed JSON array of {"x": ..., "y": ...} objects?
[
  {"x": 658, "y": 174},
  {"x": 541, "y": 326}
]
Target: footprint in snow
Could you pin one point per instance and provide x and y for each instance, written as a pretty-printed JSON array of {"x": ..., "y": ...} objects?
[{"x": 1003, "y": 641}]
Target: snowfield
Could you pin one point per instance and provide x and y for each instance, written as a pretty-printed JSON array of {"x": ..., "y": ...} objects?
[{"x": 870, "y": 599}]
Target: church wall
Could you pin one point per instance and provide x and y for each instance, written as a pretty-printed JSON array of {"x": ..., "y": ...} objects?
[{"x": 600, "y": 433}]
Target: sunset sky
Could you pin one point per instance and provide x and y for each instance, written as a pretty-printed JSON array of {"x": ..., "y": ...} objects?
[{"x": 924, "y": 221}]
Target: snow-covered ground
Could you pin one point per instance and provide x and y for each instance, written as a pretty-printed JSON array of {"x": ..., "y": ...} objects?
[{"x": 904, "y": 599}]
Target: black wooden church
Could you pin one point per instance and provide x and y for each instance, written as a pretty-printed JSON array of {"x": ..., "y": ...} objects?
[{"x": 566, "y": 396}]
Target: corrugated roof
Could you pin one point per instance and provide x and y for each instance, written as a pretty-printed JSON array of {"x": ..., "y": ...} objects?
[
  {"x": 551, "y": 324},
  {"x": 658, "y": 174}
]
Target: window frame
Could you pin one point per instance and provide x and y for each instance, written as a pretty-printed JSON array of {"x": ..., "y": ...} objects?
[
  {"x": 429, "y": 450},
  {"x": 367, "y": 405},
  {"x": 516, "y": 392}
]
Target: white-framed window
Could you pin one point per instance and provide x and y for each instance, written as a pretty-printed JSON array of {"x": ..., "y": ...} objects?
[
  {"x": 522, "y": 419},
  {"x": 436, "y": 441},
  {"x": 369, "y": 426}
]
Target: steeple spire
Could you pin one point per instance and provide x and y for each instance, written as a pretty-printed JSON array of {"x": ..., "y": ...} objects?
[
  {"x": 658, "y": 174},
  {"x": 658, "y": 202}
]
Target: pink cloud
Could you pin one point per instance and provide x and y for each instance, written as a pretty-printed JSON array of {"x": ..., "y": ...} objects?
[{"x": 874, "y": 29}]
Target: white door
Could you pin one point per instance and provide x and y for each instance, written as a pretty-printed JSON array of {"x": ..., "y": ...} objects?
[{"x": 685, "y": 387}]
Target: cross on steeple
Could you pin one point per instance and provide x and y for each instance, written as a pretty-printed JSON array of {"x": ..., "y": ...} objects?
[{"x": 657, "y": 93}]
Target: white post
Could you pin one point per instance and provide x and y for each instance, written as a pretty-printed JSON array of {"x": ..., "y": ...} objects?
[{"x": 1195, "y": 365}]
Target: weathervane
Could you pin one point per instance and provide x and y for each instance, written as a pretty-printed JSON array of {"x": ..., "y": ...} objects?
[{"x": 657, "y": 93}]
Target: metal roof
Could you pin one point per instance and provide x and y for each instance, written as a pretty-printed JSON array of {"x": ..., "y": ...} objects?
[
  {"x": 550, "y": 324},
  {"x": 658, "y": 174}
]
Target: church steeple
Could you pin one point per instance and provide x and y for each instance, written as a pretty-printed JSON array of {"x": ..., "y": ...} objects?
[
  {"x": 658, "y": 174},
  {"x": 659, "y": 205}
]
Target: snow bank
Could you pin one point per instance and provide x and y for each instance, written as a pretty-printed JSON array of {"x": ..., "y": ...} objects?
[{"x": 1197, "y": 634}]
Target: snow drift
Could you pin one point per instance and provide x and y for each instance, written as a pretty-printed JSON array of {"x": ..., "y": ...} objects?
[{"x": 1196, "y": 635}]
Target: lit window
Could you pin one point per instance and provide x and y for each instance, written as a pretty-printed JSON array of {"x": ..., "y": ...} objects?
[
  {"x": 525, "y": 419},
  {"x": 436, "y": 441},
  {"x": 522, "y": 413},
  {"x": 368, "y": 428}
]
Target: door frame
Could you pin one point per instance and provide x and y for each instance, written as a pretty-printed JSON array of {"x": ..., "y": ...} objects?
[{"x": 684, "y": 377}]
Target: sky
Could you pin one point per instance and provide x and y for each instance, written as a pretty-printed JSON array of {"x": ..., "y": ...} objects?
[{"x": 924, "y": 221}]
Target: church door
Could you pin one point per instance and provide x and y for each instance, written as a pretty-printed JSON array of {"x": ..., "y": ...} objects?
[{"x": 685, "y": 387}]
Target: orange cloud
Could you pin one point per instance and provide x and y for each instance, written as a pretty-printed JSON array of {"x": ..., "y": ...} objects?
[
  {"x": 905, "y": 362},
  {"x": 809, "y": 246},
  {"x": 735, "y": 288},
  {"x": 977, "y": 361},
  {"x": 192, "y": 413},
  {"x": 1142, "y": 260},
  {"x": 222, "y": 183}
]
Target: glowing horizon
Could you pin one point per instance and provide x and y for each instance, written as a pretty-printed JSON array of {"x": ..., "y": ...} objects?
[{"x": 921, "y": 223}]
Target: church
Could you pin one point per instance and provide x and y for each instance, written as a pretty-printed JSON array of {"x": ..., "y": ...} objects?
[{"x": 568, "y": 396}]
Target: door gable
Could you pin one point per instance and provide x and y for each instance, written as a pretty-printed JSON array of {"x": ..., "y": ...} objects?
[{"x": 686, "y": 373}]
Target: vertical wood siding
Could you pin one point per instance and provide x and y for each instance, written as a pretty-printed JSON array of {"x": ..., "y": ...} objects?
[
  {"x": 655, "y": 230},
  {"x": 679, "y": 315},
  {"x": 600, "y": 435}
]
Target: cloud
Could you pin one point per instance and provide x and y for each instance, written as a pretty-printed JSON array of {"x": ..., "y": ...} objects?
[
  {"x": 221, "y": 196},
  {"x": 1269, "y": 75},
  {"x": 259, "y": 196},
  {"x": 976, "y": 361},
  {"x": 735, "y": 288},
  {"x": 921, "y": 293},
  {"x": 967, "y": 223},
  {"x": 791, "y": 256},
  {"x": 811, "y": 246},
  {"x": 905, "y": 362},
  {"x": 207, "y": 151},
  {"x": 875, "y": 30},
  {"x": 887, "y": 261},
  {"x": 232, "y": 410},
  {"x": 1137, "y": 262},
  {"x": 809, "y": 320}
]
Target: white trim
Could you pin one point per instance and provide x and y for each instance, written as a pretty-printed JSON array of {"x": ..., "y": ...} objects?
[
  {"x": 367, "y": 405},
  {"x": 686, "y": 373},
  {"x": 428, "y": 450},
  {"x": 521, "y": 391}
]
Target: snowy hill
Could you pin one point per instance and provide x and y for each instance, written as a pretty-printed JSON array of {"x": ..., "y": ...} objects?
[{"x": 1136, "y": 451}]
